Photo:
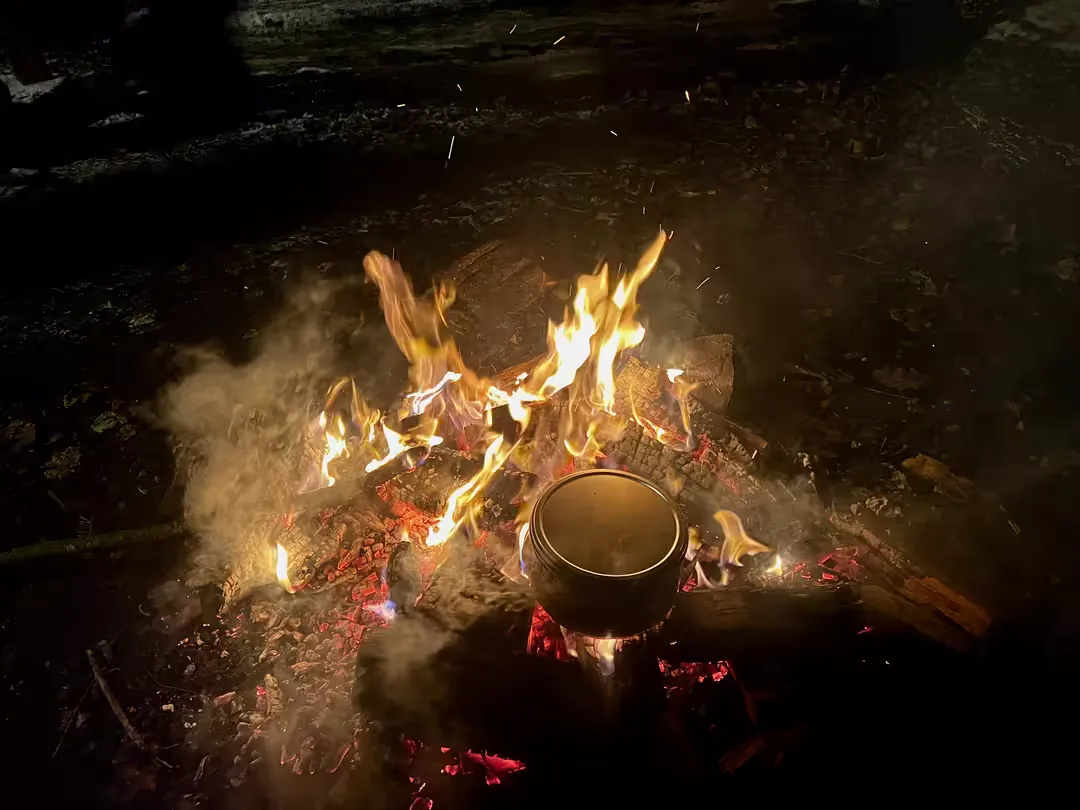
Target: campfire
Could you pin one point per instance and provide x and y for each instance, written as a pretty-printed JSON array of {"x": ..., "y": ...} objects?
[
  {"x": 564, "y": 411},
  {"x": 582, "y": 505}
]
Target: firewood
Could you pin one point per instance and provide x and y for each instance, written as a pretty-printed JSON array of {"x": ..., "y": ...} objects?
[
  {"x": 499, "y": 316},
  {"x": 913, "y": 587},
  {"x": 888, "y": 609},
  {"x": 707, "y": 625},
  {"x": 708, "y": 362}
]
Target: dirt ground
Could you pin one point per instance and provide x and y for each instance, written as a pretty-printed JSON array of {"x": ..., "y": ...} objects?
[{"x": 886, "y": 228}]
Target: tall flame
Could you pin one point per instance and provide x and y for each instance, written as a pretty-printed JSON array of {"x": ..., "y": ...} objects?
[
  {"x": 334, "y": 435},
  {"x": 447, "y": 397}
]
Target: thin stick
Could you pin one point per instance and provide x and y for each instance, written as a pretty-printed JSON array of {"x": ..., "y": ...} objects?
[
  {"x": 71, "y": 719},
  {"x": 114, "y": 704},
  {"x": 890, "y": 394},
  {"x": 49, "y": 549}
]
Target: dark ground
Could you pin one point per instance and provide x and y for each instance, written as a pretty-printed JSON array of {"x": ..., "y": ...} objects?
[{"x": 884, "y": 217}]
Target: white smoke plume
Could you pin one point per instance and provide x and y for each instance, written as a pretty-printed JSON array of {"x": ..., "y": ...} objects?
[{"x": 241, "y": 431}]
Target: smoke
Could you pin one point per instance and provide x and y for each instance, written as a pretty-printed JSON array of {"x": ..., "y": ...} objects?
[{"x": 241, "y": 431}]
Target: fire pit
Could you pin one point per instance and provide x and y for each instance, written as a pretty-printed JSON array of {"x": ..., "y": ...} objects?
[
  {"x": 396, "y": 533},
  {"x": 604, "y": 551}
]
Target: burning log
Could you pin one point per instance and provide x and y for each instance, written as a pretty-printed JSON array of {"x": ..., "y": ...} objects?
[
  {"x": 356, "y": 491},
  {"x": 917, "y": 596},
  {"x": 495, "y": 278}
]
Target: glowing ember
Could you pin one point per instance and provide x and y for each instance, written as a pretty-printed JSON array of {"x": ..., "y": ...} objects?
[
  {"x": 546, "y": 638},
  {"x": 495, "y": 768},
  {"x": 680, "y": 679}
]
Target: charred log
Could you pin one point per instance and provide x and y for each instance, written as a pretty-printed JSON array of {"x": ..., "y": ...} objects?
[{"x": 732, "y": 624}]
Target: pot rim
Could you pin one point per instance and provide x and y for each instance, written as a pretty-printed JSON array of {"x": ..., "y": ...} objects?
[{"x": 545, "y": 547}]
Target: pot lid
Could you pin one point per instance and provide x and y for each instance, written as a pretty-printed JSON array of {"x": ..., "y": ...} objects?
[{"x": 608, "y": 523}]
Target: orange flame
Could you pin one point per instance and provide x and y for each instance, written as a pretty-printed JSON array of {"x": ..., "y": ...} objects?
[
  {"x": 281, "y": 568},
  {"x": 580, "y": 361},
  {"x": 681, "y": 388},
  {"x": 334, "y": 436},
  {"x": 737, "y": 543}
]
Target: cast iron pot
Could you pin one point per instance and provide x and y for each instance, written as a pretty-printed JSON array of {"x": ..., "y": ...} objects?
[{"x": 604, "y": 553}]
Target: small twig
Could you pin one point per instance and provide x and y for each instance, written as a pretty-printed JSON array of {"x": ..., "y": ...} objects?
[
  {"x": 200, "y": 770},
  {"x": 71, "y": 719},
  {"x": 789, "y": 492},
  {"x": 47, "y": 549},
  {"x": 891, "y": 394},
  {"x": 168, "y": 686},
  {"x": 817, "y": 375},
  {"x": 857, "y": 256},
  {"x": 114, "y": 704}
]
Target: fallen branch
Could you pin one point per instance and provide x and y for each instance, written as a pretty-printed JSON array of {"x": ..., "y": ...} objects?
[
  {"x": 49, "y": 549},
  {"x": 71, "y": 719},
  {"x": 114, "y": 704}
]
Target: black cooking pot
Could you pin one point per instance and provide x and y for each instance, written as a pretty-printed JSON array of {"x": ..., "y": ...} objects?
[{"x": 604, "y": 552}]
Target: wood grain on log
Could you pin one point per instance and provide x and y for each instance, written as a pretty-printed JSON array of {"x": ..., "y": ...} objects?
[
  {"x": 913, "y": 586},
  {"x": 708, "y": 362},
  {"x": 890, "y": 609},
  {"x": 499, "y": 317}
]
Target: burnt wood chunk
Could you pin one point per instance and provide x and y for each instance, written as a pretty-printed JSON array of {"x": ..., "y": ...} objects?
[
  {"x": 730, "y": 624},
  {"x": 708, "y": 362},
  {"x": 499, "y": 317}
]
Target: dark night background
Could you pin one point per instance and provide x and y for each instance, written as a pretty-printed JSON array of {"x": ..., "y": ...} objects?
[{"x": 878, "y": 200}]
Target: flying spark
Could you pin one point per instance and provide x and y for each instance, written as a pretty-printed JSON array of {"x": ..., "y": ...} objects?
[
  {"x": 459, "y": 89},
  {"x": 560, "y": 39},
  {"x": 687, "y": 96},
  {"x": 452, "y": 139},
  {"x": 512, "y": 30},
  {"x": 400, "y": 106},
  {"x": 613, "y": 132},
  {"x": 702, "y": 284}
]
